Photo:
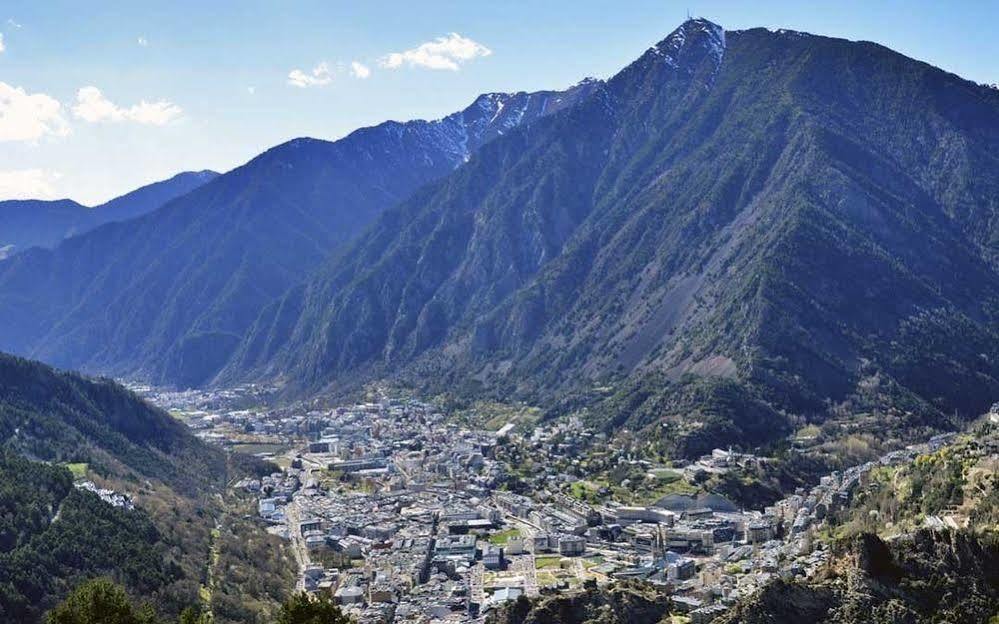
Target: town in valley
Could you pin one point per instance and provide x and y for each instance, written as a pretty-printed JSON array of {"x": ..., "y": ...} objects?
[{"x": 402, "y": 514}]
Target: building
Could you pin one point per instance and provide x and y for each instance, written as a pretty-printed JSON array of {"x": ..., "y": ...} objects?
[
  {"x": 679, "y": 568},
  {"x": 627, "y": 515},
  {"x": 539, "y": 542},
  {"x": 571, "y": 545},
  {"x": 492, "y": 557},
  {"x": 460, "y": 546},
  {"x": 759, "y": 532},
  {"x": 349, "y": 595},
  {"x": 515, "y": 546},
  {"x": 357, "y": 465}
]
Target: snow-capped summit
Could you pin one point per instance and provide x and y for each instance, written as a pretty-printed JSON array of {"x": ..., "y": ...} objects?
[
  {"x": 692, "y": 36},
  {"x": 493, "y": 114}
]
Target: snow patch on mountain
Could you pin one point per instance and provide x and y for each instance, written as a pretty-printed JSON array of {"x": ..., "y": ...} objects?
[{"x": 688, "y": 40}]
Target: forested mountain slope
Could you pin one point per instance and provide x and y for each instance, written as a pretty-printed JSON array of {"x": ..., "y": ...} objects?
[
  {"x": 169, "y": 295},
  {"x": 53, "y": 536},
  {"x": 785, "y": 213}
]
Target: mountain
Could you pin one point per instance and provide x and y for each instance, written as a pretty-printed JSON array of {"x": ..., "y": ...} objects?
[
  {"x": 35, "y": 222},
  {"x": 150, "y": 197},
  {"x": 39, "y": 223},
  {"x": 169, "y": 295},
  {"x": 54, "y": 535},
  {"x": 739, "y": 230},
  {"x": 52, "y": 416},
  {"x": 737, "y": 221}
]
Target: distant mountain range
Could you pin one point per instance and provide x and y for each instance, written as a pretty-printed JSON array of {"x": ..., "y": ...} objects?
[
  {"x": 736, "y": 228},
  {"x": 171, "y": 294},
  {"x": 39, "y": 223}
]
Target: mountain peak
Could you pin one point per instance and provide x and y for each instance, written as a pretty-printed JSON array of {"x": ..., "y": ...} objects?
[{"x": 694, "y": 36}]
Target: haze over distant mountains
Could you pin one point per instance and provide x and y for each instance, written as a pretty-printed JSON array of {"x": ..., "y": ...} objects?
[
  {"x": 739, "y": 225},
  {"x": 41, "y": 223},
  {"x": 169, "y": 295}
]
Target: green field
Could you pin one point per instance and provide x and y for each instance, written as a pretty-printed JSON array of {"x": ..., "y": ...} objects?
[
  {"x": 252, "y": 448},
  {"x": 502, "y": 537},
  {"x": 79, "y": 470},
  {"x": 585, "y": 490},
  {"x": 541, "y": 563}
]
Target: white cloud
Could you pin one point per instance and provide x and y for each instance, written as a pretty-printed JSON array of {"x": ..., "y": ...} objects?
[
  {"x": 447, "y": 52},
  {"x": 319, "y": 76},
  {"x": 142, "y": 41},
  {"x": 2, "y": 46},
  {"x": 29, "y": 116},
  {"x": 92, "y": 106},
  {"x": 153, "y": 113},
  {"x": 251, "y": 90},
  {"x": 359, "y": 70},
  {"x": 12, "y": 23},
  {"x": 28, "y": 184}
]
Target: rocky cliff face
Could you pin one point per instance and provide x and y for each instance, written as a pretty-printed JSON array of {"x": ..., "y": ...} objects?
[{"x": 928, "y": 576}]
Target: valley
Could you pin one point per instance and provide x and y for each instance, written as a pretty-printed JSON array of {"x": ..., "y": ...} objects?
[
  {"x": 713, "y": 337},
  {"x": 400, "y": 513}
]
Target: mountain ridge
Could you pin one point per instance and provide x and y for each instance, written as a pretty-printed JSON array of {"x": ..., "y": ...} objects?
[
  {"x": 213, "y": 258},
  {"x": 691, "y": 229},
  {"x": 44, "y": 223},
  {"x": 713, "y": 227}
]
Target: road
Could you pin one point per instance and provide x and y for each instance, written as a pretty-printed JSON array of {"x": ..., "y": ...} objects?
[{"x": 293, "y": 518}]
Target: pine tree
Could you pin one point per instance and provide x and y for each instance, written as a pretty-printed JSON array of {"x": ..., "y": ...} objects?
[
  {"x": 301, "y": 609},
  {"x": 100, "y": 601}
]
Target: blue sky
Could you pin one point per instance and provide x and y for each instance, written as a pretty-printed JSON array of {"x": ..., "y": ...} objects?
[{"x": 104, "y": 97}]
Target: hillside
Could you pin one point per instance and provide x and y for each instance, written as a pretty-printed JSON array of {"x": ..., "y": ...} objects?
[
  {"x": 168, "y": 296},
  {"x": 53, "y": 535},
  {"x": 955, "y": 487},
  {"x": 925, "y": 577},
  {"x": 39, "y": 223},
  {"x": 885, "y": 565},
  {"x": 623, "y": 603},
  {"x": 787, "y": 214},
  {"x": 51, "y": 416}
]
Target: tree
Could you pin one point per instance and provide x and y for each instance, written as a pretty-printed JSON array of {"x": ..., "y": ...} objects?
[
  {"x": 301, "y": 609},
  {"x": 100, "y": 601},
  {"x": 193, "y": 615}
]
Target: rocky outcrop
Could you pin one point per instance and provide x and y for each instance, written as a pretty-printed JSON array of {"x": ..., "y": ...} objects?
[
  {"x": 626, "y": 603},
  {"x": 928, "y": 576}
]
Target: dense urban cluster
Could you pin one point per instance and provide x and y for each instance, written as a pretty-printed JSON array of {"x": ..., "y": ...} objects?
[{"x": 401, "y": 515}]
